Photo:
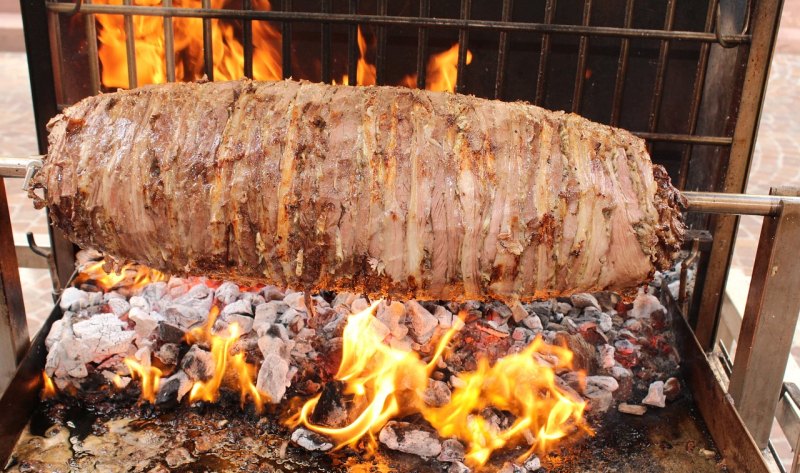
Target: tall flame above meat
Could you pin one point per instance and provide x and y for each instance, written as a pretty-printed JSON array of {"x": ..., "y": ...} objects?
[{"x": 382, "y": 190}]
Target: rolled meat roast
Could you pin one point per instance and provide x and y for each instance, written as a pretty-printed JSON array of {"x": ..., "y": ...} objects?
[{"x": 384, "y": 190}]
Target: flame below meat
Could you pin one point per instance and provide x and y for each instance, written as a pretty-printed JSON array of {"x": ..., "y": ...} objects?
[{"x": 391, "y": 382}]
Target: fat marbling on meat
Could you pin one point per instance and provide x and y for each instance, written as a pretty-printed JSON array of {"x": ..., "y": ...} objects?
[{"x": 384, "y": 190}]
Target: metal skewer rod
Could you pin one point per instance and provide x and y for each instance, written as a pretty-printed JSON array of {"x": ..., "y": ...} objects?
[{"x": 708, "y": 202}]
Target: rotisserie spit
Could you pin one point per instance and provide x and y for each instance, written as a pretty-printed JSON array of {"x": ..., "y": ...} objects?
[{"x": 375, "y": 189}]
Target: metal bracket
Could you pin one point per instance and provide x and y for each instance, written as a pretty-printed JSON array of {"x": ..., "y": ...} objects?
[{"x": 746, "y": 26}]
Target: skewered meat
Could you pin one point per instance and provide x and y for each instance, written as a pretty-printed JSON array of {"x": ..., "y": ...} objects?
[{"x": 384, "y": 190}]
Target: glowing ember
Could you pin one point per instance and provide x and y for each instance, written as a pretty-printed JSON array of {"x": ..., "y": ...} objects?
[{"x": 390, "y": 382}]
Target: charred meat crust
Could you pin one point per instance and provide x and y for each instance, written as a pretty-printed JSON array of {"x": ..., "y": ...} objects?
[{"x": 373, "y": 189}]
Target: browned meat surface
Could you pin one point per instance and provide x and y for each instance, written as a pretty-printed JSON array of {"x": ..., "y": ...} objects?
[{"x": 374, "y": 189}]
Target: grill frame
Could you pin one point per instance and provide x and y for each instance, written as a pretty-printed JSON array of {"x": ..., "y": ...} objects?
[{"x": 726, "y": 140}]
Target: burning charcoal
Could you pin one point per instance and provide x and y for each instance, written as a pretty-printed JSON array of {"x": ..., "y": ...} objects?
[
  {"x": 563, "y": 308},
  {"x": 331, "y": 409},
  {"x": 624, "y": 377},
  {"x": 452, "y": 451},
  {"x": 54, "y": 335},
  {"x": 140, "y": 303},
  {"x": 379, "y": 328},
  {"x": 103, "y": 336},
  {"x": 518, "y": 312},
  {"x": 534, "y": 323},
  {"x": 359, "y": 305},
  {"x": 532, "y": 464},
  {"x": 644, "y": 306},
  {"x": 146, "y": 322},
  {"x": 393, "y": 316},
  {"x": 408, "y": 438},
  {"x": 168, "y": 354},
  {"x": 270, "y": 344},
  {"x": 522, "y": 335},
  {"x": 244, "y": 322},
  {"x": 118, "y": 305},
  {"x": 241, "y": 307},
  {"x": 584, "y": 300},
  {"x": 627, "y": 353},
  {"x": 584, "y": 358},
  {"x": 311, "y": 441},
  {"x": 75, "y": 299},
  {"x": 154, "y": 292},
  {"x": 190, "y": 308},
  {"x": 509, "y": 467},
  {"x": 437, "y": 394},
  {"x": 605, "y": 322},
  {"x": 605, "y": 356},
  {"x": 288, "y": 318},
  {"x": 600, "y": 400},
  {"x": 344, "y": 299},
  {"x": 178, "y": 456},
  {"x": 592, "y": 334},
  {"x": 633, "y": 325},
  {"x": 491, "y": 327},
  {"x": 672, "y": 389},
  {"x": 272, "y": 293},
  {"x": 498, "y": 312},
  {"x": 296, "y": 301},
  {"x": 444, "y": 316},
  {"x": 172, "y": 389},
  {"x": 168, "y": 333},
  {"x": 541, "y": 308},
  {"x": 655, "y": 395},
  {"x": 267, "y": 314},
  {"x": 458, "y": 467},
  {"x": 606, "y": 383},
  {"x": 423, "y": 323},
  {"x": 570, "y": 325},
  {"x": 273, "y": 377},
  {"x": 254, "y": 299},
  {"x": 198, "y": 364},
  {"x": 227, "y": 293},
  {"x": 633, "y": 409},
  {"x": 608, "y": 300}
]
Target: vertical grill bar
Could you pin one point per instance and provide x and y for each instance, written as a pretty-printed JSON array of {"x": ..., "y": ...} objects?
[
  {"x": 655, "y": 106},
  {"x": 130, "y": 48},
  {"x": 353, "y": 51},
  {"x": 169, "y": 44},
  {"x": 91, "y": 46},
  {"x": 247, "y": 40},
  {"x": 463, "y": 39},
  {"x": 580, "y": 73},
  {"x": 326, "y": 44},
  {"x": 422, "y": 45},
  {"x": 380, "y": 59},
  {"x": 622, "y": 67},
  {"x": 286, "y": 43},
  {"x": 544, "y": 54},
  {"x": 697, "y": 95},
  {"x": 502, "y": 50},
  {"x": 208, "y": 45}
]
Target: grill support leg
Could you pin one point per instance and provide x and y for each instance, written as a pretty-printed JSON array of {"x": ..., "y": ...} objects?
[
  {"x": 14, "y": 339},
  {"x": 769, "y": 321}
]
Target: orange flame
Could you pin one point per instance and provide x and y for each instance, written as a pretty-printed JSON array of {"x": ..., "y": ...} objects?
[
  {"x": 441, "y": 72},
  {"x": 48, "y": 388},
  {"x": 391, "y": 382},
  {"x": 522, "y": 384},
  {"x": 223, "y": 363},
  {"x": 150, "y": 48},
  {"x": 133, "y": 276},
  {"x": 365, "y": 72},
  {"x": 150, "y": 378}
]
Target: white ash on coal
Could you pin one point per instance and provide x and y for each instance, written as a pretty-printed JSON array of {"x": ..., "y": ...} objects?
[{"x": 275, "y": 350}]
